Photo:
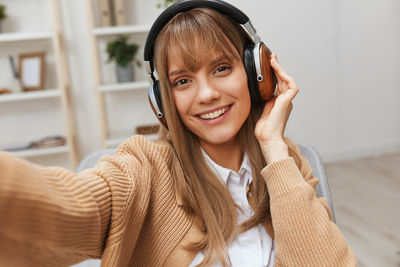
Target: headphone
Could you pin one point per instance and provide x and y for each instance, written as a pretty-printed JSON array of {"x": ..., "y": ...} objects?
[{"x": 256, "y": 58}]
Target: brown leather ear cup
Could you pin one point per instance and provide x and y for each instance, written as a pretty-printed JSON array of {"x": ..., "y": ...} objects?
[
  {"x": 260, "y": 91},
  {"x": 268, "y": 84}
]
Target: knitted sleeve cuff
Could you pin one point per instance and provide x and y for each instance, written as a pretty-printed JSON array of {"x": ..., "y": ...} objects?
[{"x": 282, "y": 176}]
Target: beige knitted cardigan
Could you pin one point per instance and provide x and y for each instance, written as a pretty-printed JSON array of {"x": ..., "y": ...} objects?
[{"x": 125, "y": 211}]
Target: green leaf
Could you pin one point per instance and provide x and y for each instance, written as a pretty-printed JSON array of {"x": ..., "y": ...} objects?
[
  {"x": 3, "y": 14},
  {"x": 122, "y": 52}
]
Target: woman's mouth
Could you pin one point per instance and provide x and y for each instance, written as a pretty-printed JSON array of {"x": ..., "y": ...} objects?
[{"x": 215, "y": 114}]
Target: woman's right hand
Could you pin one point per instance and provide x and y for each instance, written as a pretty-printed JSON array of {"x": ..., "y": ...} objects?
[{"x": 271, "y": 126}]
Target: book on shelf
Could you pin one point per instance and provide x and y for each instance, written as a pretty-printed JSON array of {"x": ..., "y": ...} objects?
[
  {"x": 148, "y": 129},
  {"x": 118, "y": 7},
  {"x": 49, "y": 141},
  {"x": 105, "y": 14}
]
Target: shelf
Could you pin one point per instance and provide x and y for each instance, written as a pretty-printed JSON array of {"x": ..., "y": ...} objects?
[
  {"x": 115, "y": 30},
  {"x": 24, "y": 36},
  {"x": 124, "y": 86},
  {"x": 114, "y": 142},
  {"x": 35, "y": 152},
  {"x": 50, "y": 93}
]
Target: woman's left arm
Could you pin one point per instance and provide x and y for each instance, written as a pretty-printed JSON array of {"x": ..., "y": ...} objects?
[{"x": 304, "y": 232}]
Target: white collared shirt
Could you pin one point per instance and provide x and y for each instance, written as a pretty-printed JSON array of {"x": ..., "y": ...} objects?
[{"x": 254, "y": 247}]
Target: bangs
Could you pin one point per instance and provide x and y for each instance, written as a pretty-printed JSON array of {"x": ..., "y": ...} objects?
[{"x": 196, "y": 36}]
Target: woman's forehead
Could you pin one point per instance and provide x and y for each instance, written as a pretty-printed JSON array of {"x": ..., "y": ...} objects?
[
  {"x": 193, "y": 57},
  {"x": 179, "y": 58}
]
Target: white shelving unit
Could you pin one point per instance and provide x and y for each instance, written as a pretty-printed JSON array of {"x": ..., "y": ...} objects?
[
  {"x": 25, "y": 36},
  {"x": 61, "y": 93},
  {"x": 124, "y": 86},
  {"x": 116, "y": 141},
  {"x": 98, "y": 34},
  {"x": 115, "y": 30},
  {"x": 35, "y": 152},
  {"x": 26, "y": 96}
]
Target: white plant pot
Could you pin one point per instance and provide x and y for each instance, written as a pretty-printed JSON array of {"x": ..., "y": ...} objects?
[{"x": 125, "y": 74}]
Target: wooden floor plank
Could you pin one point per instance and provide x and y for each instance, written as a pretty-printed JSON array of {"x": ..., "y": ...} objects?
[{"x": 366, "y": 199}]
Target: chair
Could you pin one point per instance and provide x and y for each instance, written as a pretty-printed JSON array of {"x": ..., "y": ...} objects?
[
  {"x": 309, "y": 152},
  {"x": 90, "y": 160},
  {"x": 317, "y": 165}
]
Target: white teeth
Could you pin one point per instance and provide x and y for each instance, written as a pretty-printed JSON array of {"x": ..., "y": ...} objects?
[{"x": 213, "y": 115}]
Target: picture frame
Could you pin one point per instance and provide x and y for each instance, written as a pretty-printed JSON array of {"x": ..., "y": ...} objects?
[{"x": 32, "y": 69}]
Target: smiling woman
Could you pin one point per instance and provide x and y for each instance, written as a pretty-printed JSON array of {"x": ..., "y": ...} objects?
[
  {"x": 206, "y": 95},
  {"x": 221, "y": 186}
]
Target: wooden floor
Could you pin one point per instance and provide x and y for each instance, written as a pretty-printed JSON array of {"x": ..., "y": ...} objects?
[{"x": 366, "y": 199}]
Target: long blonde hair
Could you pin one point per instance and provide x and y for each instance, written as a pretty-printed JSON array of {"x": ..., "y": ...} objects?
[{"x": 192, "y": 35}]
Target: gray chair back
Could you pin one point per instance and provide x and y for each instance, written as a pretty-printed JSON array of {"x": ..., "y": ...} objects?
[
  {"x": 317, "y": 165},
  {"x": 90, "y": 160}
]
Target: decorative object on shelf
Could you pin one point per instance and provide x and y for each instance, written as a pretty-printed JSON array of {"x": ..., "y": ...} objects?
[
  {"x": 32, "y": 69},
  {"x": 105, "y": 19},
  {"x": 166, "y": 3},
  {"x": 148, "y": 129},
  {"x": 16, "y": 87},
  {"x": 118, "y": 7},
  {"x": 49, "y": 141},
  {"x": 111, "y": 13},
  {"x": 4, "y": 91},
  {"x": 123, "y": 54},
  {"x": 3, "y": 16}
]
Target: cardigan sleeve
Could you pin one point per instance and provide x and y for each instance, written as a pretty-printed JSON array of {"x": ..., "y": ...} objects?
[
  {"x": 50, "y": 216},
  {"x": 305, "y": 234}
]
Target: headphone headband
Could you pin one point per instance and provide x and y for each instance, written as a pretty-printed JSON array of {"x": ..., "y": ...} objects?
[{"x": 185, "y": 5}]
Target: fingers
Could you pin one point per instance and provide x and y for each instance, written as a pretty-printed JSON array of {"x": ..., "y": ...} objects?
[
  {"x": 285, "y": 82},
  {"x": 279, "y": 71},
  {"x": 268, "y": 107}
]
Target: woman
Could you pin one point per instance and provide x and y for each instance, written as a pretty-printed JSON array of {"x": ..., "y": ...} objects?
[{"x": 221, "y": 185}]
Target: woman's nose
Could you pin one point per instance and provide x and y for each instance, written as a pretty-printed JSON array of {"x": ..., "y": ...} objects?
[{"x": 207, "y": 93}]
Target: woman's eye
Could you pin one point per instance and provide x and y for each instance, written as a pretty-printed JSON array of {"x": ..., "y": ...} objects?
[
  {"x": 222, "y": 68},
  {"x": 181, "y": 82}
]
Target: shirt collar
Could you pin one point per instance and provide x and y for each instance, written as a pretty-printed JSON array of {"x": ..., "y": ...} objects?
[{"x": 224, "y": 173}]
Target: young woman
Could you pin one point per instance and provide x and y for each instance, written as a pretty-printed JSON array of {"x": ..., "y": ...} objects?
[{"x": 221, "y": 186}]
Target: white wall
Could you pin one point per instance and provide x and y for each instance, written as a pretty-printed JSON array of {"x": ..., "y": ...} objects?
[
  {"x": 345, "y": 58},
  {"x": 343, "y": 54}
]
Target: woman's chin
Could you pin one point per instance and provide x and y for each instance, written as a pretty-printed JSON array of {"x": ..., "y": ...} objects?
[{"x": 217, "y": 139}]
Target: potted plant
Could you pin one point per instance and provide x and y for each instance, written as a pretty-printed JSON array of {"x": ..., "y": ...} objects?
[
  {"x": 3, "y": 15},
  {"x": 123, "y": 53}
]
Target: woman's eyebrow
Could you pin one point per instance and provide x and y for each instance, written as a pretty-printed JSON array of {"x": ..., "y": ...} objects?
[
  {"x": 219, "y": 59},
  {"x": 176, "y": 72},
  {"x": 212, "y": 63}
]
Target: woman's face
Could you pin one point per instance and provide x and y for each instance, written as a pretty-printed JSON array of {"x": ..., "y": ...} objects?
[{"x": 214, "y": 101}]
